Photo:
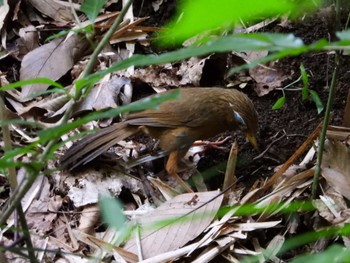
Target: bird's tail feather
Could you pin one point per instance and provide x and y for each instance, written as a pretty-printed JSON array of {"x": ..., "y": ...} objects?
[{"x": 91, "y": 146}]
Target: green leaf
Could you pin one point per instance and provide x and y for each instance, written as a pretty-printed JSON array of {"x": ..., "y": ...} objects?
[
  {"x": 91, "y": 8},
  {"x": 279, "y": 103},
  {"x": 85, "y": 30},
  {"x": 198, "y": 16},
  {"x": 305, "y": 79},
  {"x": 317, "y": 101},
  {"x": 112, "y": 212},
  {"x": 239, "y": 42},
  {"x": 21, "y": 83},
  {"x": 343, "y": 35},
  {"x": 334, "y": 253}
]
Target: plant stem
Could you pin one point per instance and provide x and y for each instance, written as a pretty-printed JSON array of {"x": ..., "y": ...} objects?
[
  {"x": 324, "y": 128},
  {"x": 328, "y": 111}
]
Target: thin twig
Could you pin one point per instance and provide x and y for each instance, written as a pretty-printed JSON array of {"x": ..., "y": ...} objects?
[{"x": 269, "y": 146}]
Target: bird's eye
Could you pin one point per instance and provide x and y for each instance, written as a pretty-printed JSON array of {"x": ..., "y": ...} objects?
[{"x": 238, "y": 118}]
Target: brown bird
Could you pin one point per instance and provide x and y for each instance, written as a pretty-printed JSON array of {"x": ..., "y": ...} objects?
[{"x": 199, "y": 113}]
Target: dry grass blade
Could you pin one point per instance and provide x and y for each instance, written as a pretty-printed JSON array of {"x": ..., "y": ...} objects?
[
  {"x": 292, "y": 159},
  {"x": 338, "y": 132},
  {"x": 230, "y": 177}
]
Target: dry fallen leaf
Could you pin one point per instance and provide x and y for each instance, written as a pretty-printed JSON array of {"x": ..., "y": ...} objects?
[
  {"x": 267, "y": 78},
  {"x": 57, "y": 10},
  {"x": 188, "y": 73},
  {"x": 175, "y": 223},
  {"x": 85, "y": 187},
  {"x": 51, "y": 60},
  {"x": 336, "y": 166}
]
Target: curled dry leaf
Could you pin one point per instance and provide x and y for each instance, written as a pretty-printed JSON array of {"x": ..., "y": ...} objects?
[
  {"x": 105, "y": 95},
  {"x": 175, "y": 222},
  {"x": 46, "y": 108},
  {"x": 336, "y": 166}
]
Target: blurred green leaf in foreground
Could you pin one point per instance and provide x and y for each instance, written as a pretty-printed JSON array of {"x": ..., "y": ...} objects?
[{"x": 198, "y": 16}]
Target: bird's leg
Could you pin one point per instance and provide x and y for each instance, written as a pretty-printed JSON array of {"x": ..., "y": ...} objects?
[
  {"x": 172, "y": 169},
  {"x": 215, "y": 145}
]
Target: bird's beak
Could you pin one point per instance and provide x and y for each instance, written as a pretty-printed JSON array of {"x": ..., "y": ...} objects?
[{"x": 252, "y": 139}]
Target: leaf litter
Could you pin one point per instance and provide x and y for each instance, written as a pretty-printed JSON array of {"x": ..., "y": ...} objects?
[{"x": 62, "y": 212}]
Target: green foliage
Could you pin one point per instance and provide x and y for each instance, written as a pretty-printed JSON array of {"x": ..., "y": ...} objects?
[
  {"x": 334, "y": 254},
  {"x": 92, "y": 8},
  {"x": 198, "y": 16},
  {"x": 281, "y": 45},
  {"x": 279, "y": 103},
  {"x": 305, "y": 93},
  {"x": 305, "y": 79},
  {"x": 316, "y": 99},
  {"x": 21, "y": 83},
  {"x": 88, "y": 30},
  {"x": 112, "y": 212}
]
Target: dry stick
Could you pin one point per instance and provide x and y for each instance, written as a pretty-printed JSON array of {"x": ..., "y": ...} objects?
[
  {"x": 291, "y": 160},
  {"x": 16, "y": 199},
  {"x": 230, "y": 177}
]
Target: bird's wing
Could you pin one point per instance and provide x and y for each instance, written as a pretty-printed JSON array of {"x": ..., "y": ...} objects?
[{"x": 172, "y": 114}]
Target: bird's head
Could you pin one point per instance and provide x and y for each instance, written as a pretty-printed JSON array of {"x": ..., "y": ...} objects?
[{"x": 246, "y": 117}]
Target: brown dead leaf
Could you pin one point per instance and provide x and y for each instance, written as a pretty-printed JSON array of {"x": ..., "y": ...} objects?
[
  {"x": 158, "y": 235},
  {"x": 89, "y": 217},
  {"x": 336, "y": 166},
  {"x": 267, "y": 78},
  {"x": 158, "y": 75},
  {"x": 188, "y": 73},
  {"x": 57, "y": 10},
  {"x": 28, "y": 41},
  {"x": 51, "y": 60},
  {"x": 339, "y": 133},
  {"x": 191, "y": 71}
]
